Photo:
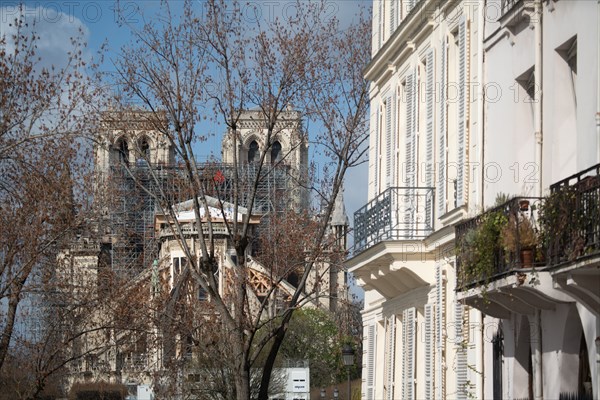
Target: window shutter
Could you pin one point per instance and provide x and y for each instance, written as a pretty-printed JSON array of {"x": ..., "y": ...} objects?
[
  {"x": 411, "y": 127},
  {"x": 441, "y": 195},
  {"x": 461, "y": 353},
  {"x": 371, "y": 338},
  {"x": 408, "y": 365},
  {"x": 390, "y": 354},
  {"x": 410, "y": 5},
  {"x": 380, "y": 19},
  {"x": 429, "y": 350},
  {"x": 429, "y": 133},
  {"x": 463, "y": 76},
  {"x": 388, "y": 141},
  {"x": 392, "y": 16},
  {"x": 376, "y": 152},
  {"x": 439, "y": 333},
  {"x": 411, "y": 145}
]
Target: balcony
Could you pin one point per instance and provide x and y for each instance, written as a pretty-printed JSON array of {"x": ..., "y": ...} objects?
[
  {"x": 399, "y": 213},
  {"x": 501, "y": 240},
  {"x": 561, "y": 232},
  {"x": 572, "y": 218}
]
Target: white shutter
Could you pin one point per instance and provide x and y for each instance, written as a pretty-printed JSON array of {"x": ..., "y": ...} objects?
[
  {"x": 388, "y": 142},
  {"x": 393, "y": 144},
  {"x": 392, "y": 16},
  {"x": 429, "y": 133},
  {"x": 411, "y": 146},
  {"x": 461, "y": 353},
  {"x": 429, "y": 350},
  {"x": 463, "y": 95},
  {"x": 410, "y": 5},
  {"x": 380, "y": 30},
  {"x": 439, "y": 332},
  {"x": 408, "y": 359},
  {"x": 411, "y": 96},
  {"x": 370, "y": 378},
  {"x": 390, "y": 355},
  {"x": 441, "y": 180},
  {"x": 376, "y": 152}
]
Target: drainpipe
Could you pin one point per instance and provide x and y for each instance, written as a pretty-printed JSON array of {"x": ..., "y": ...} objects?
[
  {"x": 537, "y": 358},
  {"x": 538, "y": 33},
  {"x": 537, "y": 15},
  {"x": 596, "y": 390},
  {"x": 481, "y": 102},
  {"x": 598, "y": 92}
]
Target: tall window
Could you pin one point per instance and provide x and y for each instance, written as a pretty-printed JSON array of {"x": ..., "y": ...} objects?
[
  {"x": 123, "y": 151},
  {"x": 179, "y": 264},
  {"x": 275, "y": 153},
  {"x": 253, "y": 151},
  {"x": 144, "y": 148}
]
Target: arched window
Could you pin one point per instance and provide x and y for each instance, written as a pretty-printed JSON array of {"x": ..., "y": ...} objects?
[
  {"x": 275, "y": 152},
  {"x": 123, "y": 151},
  {"x": 252, "y": 151},
  {"x": 144, "y": 148}
]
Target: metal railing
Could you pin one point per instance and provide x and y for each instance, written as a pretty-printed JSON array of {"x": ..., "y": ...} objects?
[
  {"x": 566, "y": 225},
  {"x": 398, "y": 213},
  {"x": 498, "y": 241},
  {"x": 573, "y": 217},
  {"x": 508, "y": 5}
]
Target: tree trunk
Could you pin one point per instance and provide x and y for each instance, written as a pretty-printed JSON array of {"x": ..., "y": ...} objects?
[
  {"x": 242, "y": 382},
  {"x": 13, "y": 303}
]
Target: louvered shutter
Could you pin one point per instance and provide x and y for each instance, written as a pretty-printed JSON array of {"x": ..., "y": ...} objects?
[
  {"x": 441, "y": 179},
  {"x": 429, "y": 350},
  {"x": 461, "y": 353},
  {"x": 390, "y": 355},
  {"x": 439, "y": 325},
  {"x": 410, "y": 5},
  {"x": 376, "y": 152},
  {"x": 380, "y": 19},
  {"x": 429, "y": 134},
  {"x": 388, "y": 142},
  {"x": 410, "y": 130},
  {"x": 408, "y": 364},
  {"x": 370, "y": 378},
  {"x": 411, "y": 156},
  {"x": 392, "y": 16},
  {"x": 463, "y": 93}
]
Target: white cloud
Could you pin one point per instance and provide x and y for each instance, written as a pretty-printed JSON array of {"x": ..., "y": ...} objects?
[{"x": 54, "y": 28}]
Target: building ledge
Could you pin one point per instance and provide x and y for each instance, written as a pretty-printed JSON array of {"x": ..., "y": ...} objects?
[
  {"x": 393, "y": 268},
  {"x": 520, "y": 291}
]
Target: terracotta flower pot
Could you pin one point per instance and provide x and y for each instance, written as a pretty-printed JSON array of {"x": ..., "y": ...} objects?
[{"x": 526, "y": 258}]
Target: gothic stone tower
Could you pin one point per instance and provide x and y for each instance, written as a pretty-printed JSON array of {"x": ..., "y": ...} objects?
[{"x": 286, "y": 151}]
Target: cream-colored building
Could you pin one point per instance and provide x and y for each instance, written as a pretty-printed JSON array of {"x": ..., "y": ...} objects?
[
  {"x": 424, "y": 124},
  {"x": 471, "y": 100},
  {"x": 541, "y": 146}
]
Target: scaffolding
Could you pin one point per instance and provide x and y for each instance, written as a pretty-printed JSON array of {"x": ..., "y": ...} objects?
[{"x": 137, "y": 192}]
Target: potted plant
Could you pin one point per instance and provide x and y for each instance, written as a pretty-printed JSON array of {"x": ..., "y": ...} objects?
[
  {"x": 518, "y": 235},
  {"x": 479, "y": 248}
]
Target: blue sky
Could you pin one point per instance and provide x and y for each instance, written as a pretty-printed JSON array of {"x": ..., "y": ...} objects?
[{"x": 57, "y": 21}]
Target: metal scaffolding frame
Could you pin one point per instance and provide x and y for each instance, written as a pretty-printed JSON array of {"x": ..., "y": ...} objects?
[{"x": 136, "y": 192}]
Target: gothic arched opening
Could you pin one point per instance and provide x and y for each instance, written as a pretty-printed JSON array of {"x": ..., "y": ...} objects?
[
  {"x": 144, "y": 148},
  {"x": 123, "y": 151},
  {"x": 275, "y": 152},
  {"x": 252, "y": 151}
]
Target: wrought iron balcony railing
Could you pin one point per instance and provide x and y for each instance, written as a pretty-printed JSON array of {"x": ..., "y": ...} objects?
[
  {"x": 572, "y": 217},
  {"x": 399, "y": 213},
  {"x": 498, "y": 241},
  {"x": 508, "y": 5},
  {"x": 559, "y": 229}
]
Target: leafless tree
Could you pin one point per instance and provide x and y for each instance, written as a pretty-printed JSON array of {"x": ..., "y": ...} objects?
[
  {"x": 190, "y": 66},
  {"x": 46, "y": 117}
]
